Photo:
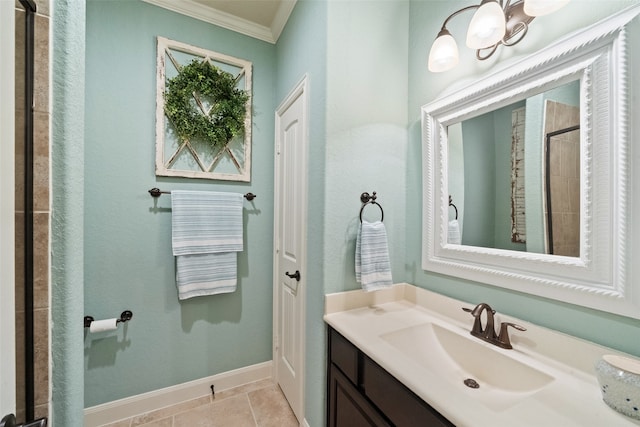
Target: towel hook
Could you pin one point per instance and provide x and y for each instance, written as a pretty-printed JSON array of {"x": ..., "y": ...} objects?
[{"x": 366, "y": 199}]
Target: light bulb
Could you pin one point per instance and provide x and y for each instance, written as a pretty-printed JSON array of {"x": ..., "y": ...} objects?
[
  {"x": 444, "y": 53},
  {"x": 487, "y": 27},
  {"x": 542, "y": 7}
]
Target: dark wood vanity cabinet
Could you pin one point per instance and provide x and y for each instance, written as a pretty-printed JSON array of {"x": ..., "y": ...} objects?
[
  {"x": 361, "y": 393},
  {"x": 347, "y": 406}
]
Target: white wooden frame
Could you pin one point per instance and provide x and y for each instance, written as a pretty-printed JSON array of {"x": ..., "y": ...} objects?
[
  {"x": 7, "y": 209},
  {"x": 207, "y": 171},
  {"x": 602, "y": 276}
]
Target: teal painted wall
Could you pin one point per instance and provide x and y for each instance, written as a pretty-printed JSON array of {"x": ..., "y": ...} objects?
[
  {"x": 426, "y": 18},
  {"x": 478, "y": 139},
  {"x": 302, "y": 49},
  {"x": 366, "y": 131},
  {"x": 67, "y": 267},
  {"x": 455, "y": 153},
  {"x": 487, "y": 170},
  {"x": 128, "y": 260}
]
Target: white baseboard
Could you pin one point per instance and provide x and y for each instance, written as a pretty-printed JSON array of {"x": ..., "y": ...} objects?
[{"x": 146, "y": 402}]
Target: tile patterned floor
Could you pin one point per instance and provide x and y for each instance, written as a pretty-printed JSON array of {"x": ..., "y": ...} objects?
[{"x": 259, "y": 404}]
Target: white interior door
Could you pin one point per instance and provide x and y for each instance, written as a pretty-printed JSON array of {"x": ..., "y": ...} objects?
[
  {"x": 7, "y": 221},
  {"x": 290, "y": 246}
]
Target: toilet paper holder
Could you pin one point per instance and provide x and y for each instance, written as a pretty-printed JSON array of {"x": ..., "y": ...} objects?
[{"x": 125, "y": 316}]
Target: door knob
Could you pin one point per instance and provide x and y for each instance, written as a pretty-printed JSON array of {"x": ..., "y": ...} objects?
[{"x": 295, "y": 275}]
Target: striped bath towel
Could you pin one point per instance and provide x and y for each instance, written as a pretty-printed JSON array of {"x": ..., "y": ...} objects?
[
  {"x": 453, "y": 233},
  {"x": 206, "y": 236},
  {"x": 373, "y": 269}
]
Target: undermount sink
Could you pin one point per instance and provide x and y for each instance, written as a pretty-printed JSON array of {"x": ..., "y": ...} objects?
[{"x": 503, "y": 381}]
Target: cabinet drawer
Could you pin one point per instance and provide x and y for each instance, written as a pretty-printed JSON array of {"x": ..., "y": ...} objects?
[
  {"x": 399, "y": 404},
  {"x": 344, "y": 355}
]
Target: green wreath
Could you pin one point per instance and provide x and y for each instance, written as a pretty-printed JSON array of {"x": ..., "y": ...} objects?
[{"x": 226, "y": 118}]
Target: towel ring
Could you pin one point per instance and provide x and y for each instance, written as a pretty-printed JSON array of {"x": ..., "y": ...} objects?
[
  {"x": 454, "y": 206},
  {"x": 366, "y": 199},
  {"x": 372, "y": 203}
]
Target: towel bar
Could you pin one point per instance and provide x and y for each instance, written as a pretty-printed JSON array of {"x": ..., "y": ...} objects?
[{"x": 156, "y": 192}]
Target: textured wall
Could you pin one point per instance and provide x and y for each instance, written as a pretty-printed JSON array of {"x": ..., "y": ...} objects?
[
  {"x": 67, "y": 255},
  {"x": 366, "y": 130}
]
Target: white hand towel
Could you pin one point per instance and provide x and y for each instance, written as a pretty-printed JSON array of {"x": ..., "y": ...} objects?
[
  {"x": 206, "y": 236},
  {"x": 373, "y": 269},
  {"x": 453, "y": 235}
]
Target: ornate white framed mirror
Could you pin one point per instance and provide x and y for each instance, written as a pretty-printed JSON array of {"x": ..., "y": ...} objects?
[{"x": 536, "y": 159}]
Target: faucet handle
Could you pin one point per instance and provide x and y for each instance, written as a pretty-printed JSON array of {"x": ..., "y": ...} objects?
[
  {"x": 471, "y": 310},
  {"x": 503, "y": 338},
  {"x": 477, "y": 323}
]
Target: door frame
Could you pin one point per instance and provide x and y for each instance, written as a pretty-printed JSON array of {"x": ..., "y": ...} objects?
[
  {"x": 7, "y": 207},
  {"x": 301, "y": 89}
]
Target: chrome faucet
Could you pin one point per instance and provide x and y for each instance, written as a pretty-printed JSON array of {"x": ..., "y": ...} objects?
[{"x": 488, "y": 333}]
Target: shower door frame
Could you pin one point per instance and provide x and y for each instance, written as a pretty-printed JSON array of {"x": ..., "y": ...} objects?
[{"x": 11, "y": 286}]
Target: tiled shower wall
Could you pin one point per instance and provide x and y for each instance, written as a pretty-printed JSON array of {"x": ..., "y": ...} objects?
[
  {"x": 41, "y": 206},
  {"x": 565, "y": 177}
]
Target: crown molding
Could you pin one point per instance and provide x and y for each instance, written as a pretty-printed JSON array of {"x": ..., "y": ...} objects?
[
  {"x": 281, "y": 18},
  {"x": 228, "y": 21}
]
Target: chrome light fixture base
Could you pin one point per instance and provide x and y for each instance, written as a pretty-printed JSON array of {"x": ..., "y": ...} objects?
[
  {"x": 517, "y": 23},
  {"x": 517, "y": 27}
]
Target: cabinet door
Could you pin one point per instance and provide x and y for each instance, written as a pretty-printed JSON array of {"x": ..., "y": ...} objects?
[
  {"x": 347, "y": 407},
  {"x": 399, "y": 404},
  {"x": 344, "y": 355}
]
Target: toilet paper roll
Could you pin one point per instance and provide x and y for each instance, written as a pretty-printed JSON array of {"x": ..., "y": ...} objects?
[{"x": 103, "y": 325}]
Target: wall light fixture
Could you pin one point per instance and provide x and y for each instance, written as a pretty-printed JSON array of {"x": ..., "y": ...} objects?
[{"x": 494, "y": 22}]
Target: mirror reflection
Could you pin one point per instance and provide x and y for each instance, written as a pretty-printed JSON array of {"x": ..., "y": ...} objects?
[{"x": 514, "y": 175}]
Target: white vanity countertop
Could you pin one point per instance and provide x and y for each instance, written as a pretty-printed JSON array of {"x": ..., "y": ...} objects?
[{"x": 572, "y": 399}]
